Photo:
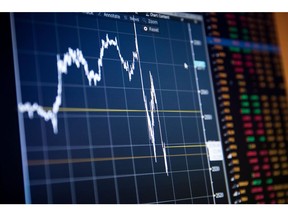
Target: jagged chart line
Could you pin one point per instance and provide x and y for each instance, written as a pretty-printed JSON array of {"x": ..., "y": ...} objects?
[
  {"x": 75, "y": 57},
  {"x": 153, "y": 108}
]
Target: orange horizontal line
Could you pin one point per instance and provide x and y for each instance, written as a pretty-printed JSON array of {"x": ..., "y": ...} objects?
[
  {"x": 76, "y": 109},
  {"x": 86, "y": 160}
]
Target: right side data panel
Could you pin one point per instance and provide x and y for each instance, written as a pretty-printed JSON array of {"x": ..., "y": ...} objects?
[{"x": 252, "y": 104}]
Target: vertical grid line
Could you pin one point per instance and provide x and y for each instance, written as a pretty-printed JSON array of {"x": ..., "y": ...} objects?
[
  {"x": 128, "y": 122},
  {"x": 88, "y": 122},
  {"x": 142, "y": 86},
  {"x": 165, "y": 129},
  {"x": 44, "y": 140},
  {"x": 66, "y": 126},
  {"x": 109, "y": 128},
  {"x": 178, "y": 104}
]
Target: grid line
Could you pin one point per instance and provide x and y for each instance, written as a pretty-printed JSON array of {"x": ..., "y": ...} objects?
[{"x": 82, "y": 179}]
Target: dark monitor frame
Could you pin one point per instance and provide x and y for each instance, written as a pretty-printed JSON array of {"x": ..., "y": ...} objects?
[{"x": 11, "y": 177}]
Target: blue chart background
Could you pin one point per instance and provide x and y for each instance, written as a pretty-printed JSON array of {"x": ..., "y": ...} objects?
[{"x": 111, "y": 135}]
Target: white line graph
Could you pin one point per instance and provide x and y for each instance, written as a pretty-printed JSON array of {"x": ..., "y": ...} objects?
[{"x": 76, "y": 57}]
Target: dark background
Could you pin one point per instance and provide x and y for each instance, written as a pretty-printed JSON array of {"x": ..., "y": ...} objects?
[{"x": 11, "y": 187}]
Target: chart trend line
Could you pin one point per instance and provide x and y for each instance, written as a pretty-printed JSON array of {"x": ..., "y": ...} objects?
[{"x": 75, "y": 57}]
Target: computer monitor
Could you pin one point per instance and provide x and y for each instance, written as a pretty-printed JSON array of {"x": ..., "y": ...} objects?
[{"x": 147, "y": 108}]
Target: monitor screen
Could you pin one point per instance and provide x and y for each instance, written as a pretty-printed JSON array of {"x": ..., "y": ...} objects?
[{"x": 149, "y": 108}]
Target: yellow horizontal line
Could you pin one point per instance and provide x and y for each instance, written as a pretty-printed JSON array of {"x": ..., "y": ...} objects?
[
  {"x": 185, "y": 146},
  {"x": 86, "y": 160},
  {"x": 72, "y": 109}
]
